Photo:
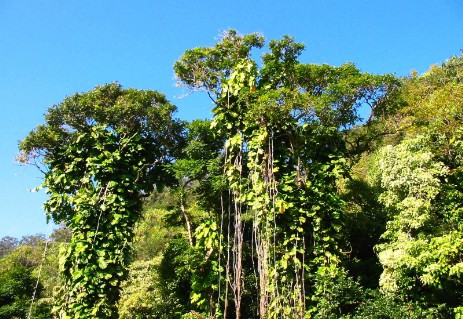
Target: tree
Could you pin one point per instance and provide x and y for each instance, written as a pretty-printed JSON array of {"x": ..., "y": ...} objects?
[
  {"x": 140, "y": 297},
  {"x": 7, "y": 244},
  {"x": 33, "y": 240},
  {"x": 103, "y": 151},
  {"x": 28, "y": 274},
  {"x": 16, "y": 287},
  {"x": 286, "y": 125},
  {"x": 198, "y": 173},
  {"x": 420, "y": 186}
]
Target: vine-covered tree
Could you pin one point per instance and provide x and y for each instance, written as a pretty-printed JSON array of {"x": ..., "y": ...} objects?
[
  {"x": 286, "y": 125},
  {"x": 102, "y": 151}
]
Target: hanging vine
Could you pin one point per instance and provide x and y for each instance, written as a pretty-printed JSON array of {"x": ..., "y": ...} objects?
[{"x": 286, "y": 124}]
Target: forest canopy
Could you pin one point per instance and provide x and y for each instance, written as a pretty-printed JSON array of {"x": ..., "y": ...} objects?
[{"x": 286, "y": 204}]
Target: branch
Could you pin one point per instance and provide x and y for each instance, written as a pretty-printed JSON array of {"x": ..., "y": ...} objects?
[
  {"x": 143, "y": 167},
  {"x": 209, "y": 254},
  {"x": 121, "y": 148},
  {"x": 210, "y": 96},
  {"x": 30, "y": 158}
]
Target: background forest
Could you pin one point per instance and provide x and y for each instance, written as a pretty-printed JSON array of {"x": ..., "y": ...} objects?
[{"x": 314, "y": 192}]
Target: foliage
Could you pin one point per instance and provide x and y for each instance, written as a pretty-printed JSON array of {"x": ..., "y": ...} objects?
[
  {"x": 336, "y": 294},
  {"x": 379, "y": 306},
  {"x": 29, "y": 274},
  {"x": 153, "y": 233},
  {"x": 158, "y": 283},
  {"x": 285, "y": 124},
  {"x": 175, "y": 271},
  {"x": 104, "y": 150},
  {"x": 207, "y": 68},
  {"x": 410, "y": 179},
  {"x": 7, "y": 244},
  {"x": 16, "y": 286},
  {"x": 364, "y": 222},
  {"x": 139, "y": 297},
  {"x": 420, "y": 183},
  {"x": 288, "y": 204}
]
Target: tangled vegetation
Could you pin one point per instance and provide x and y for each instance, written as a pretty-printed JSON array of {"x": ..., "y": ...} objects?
[{"x": 286, "y": 204}]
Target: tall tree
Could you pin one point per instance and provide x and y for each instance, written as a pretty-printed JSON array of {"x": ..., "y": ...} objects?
[
  {"x": 286, "y": 124},
  {"x": 103, "y": 151},
  {"x": 420, "y": 179}
]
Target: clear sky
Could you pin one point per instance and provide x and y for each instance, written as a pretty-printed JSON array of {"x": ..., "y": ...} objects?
[{"x": 51, "y": 49}]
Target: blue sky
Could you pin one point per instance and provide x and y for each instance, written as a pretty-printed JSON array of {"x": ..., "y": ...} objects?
[{"x": 51, "y": 49}]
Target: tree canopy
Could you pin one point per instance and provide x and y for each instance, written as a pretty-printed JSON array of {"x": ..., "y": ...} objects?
[{"x": 315, "y": 191}]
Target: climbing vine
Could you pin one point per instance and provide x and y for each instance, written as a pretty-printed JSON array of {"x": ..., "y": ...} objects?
[
  {"x": 285, "y": 124},
  {"x": 103, "y": 151},
  {"x": 283, "y": 191}
]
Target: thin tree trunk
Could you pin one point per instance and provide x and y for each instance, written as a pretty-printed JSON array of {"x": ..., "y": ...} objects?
[{"x": 187, "y": 221}]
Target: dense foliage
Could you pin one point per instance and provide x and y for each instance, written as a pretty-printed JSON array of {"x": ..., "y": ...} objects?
[
  {"x": 103, "y": 150},
  {"x": 287, "y": 204}
]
